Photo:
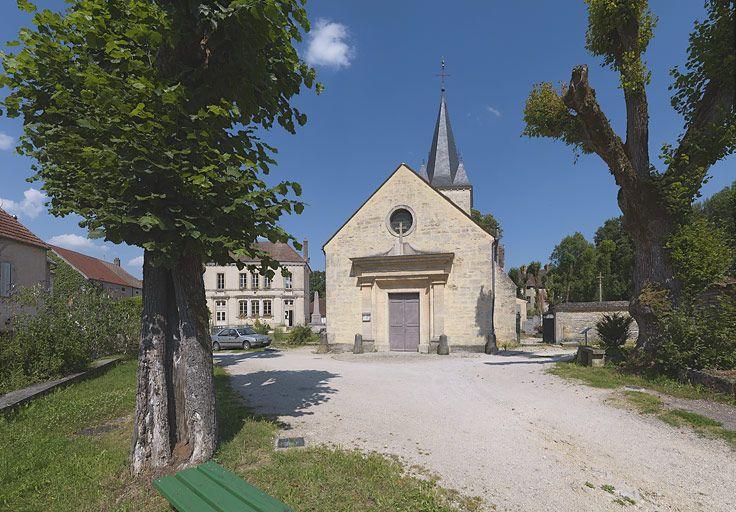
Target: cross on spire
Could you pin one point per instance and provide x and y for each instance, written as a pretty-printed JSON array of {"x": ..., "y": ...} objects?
[{"x": 442, "y": 74}]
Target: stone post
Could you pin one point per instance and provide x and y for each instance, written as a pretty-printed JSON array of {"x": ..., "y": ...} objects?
[
  {"x": 358, "y": 345},
  {"x": 491, "y": 347},
  {"x": 443, "y": 348},
  {"x": 316, "y": 313},
  {"x": 323, "y": 346}
]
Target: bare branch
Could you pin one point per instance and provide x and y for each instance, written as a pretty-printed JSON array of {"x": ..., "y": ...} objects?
[{"x": 580, "y": 98}]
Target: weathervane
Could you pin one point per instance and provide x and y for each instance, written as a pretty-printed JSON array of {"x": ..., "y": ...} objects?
[{"x": 442, "y": 74}]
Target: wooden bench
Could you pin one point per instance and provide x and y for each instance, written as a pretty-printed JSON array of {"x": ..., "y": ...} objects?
[{"x": 212, "y": 488}]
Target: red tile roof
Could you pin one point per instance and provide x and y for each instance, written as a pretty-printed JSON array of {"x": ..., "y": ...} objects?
[
  {"x": 14, "y": 230},
  {"x": 96, "y": 269},
  {"x": 279, "y": 251}
]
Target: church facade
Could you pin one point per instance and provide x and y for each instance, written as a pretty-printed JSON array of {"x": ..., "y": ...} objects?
[{"x": 411, "y": 264}]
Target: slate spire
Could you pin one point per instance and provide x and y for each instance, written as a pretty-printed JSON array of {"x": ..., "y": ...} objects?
[{"x": 443, "y": 161}]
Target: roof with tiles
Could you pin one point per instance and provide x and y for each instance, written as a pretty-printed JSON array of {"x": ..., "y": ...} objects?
[
  {"x": 279, "y": 251},
  {"x": 12, "y": 229},
  {"x": 96, "y": 269}
]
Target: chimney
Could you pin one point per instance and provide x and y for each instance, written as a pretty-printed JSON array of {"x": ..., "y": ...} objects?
[
  {"x": 116, "y": 261},
  {"x": 305, "y": 250}
]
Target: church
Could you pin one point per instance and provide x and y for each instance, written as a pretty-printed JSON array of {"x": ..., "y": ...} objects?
[{"x": 411, "y": 264}]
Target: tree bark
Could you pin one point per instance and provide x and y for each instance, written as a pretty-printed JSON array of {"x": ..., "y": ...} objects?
[{"x": 175, "y": 421}]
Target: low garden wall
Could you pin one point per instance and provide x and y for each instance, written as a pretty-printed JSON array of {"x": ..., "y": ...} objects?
[{"x": 572, "y": 317}]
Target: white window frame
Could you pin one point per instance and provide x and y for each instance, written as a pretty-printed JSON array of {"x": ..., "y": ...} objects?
[
  {"x": 221, "y": 311},
  {"x": 220, "y": 281},
  {"x": 255, "y": 280},
  {"x": 242, "y": 308},
  {"x": 266, "y": 282},
  {"x": 243, "y": 280},
  {"x": 255, "y": 308},
  {"x": 289, "y": 281},
  {"x": 267, "y": 308}
]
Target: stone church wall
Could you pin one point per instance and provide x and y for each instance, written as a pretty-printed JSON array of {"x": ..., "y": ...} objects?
[
  {"x": 440, "y": 227},
  {"x": 505, "y": 314}
]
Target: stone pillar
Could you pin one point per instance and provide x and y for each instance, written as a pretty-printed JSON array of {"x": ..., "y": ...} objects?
[
  {"x": 438, "y": 309},
  {"x": 316, "y": 313}
]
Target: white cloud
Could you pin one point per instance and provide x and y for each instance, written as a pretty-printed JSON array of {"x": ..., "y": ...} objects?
[
  {"x": 136, "y": 262},
  {"x": 493, "y": 111},
  {"x": 328, "y": 45},
  {"x": 6, "y": 141},
  {"x": 31, "y": 205},
  {"x": 74, "y": 242}
]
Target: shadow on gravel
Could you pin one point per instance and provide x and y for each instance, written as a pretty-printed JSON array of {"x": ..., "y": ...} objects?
[
  {"x": 284, "y": 392},
  {"x": 529, "y": 358},
  {"x": 223, "y": 358}
]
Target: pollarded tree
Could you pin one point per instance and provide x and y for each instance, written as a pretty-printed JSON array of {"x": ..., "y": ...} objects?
[
  {"x": 655, "y": 203},
  {"x": 143, "y": 119}
]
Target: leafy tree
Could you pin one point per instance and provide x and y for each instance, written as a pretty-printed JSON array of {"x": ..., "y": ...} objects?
[
  {"x": 655, "y": 202},
  {"x": 615, "y": 254},
  {"x": 488, "y": 222},
  {"x": 573, "y": 273},
  {"x": 701, "y": 255},
  {"x": 317, "y": 283},
  {"x": 720, "y": 210},
  {"x": 143, "y": 117}
]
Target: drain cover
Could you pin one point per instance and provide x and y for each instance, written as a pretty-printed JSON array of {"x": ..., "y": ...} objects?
[{"x": 290, "y": 442}]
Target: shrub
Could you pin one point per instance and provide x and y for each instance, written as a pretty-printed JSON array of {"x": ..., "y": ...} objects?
[
  {"x": 700, "y": 336},
  {"x": 302, "y": 334},
  {"x": 279, "y": 334},
  {"x": 613, "y": 331},
  {"x": 261, "y": 327},
  {"x": 60, "y": 331}
]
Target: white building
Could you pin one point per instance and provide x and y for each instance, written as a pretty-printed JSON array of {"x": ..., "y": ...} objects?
[{"x": 238, "y": 297}]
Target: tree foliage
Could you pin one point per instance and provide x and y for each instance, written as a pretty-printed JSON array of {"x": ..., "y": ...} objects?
[
  {"x": 317, "y": 283},
  {"x": 615, "y": 259},
  {"x": 488, "y": 222},
  {"x": 150, "y": 135},
  {"x": 573, "y": 273}
]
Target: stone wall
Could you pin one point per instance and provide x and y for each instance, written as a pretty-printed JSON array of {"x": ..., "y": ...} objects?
[
  {"x": 463, "y": 197},
  {"x": 440, "y": 227},
  {"x": 572, "y": 317}
]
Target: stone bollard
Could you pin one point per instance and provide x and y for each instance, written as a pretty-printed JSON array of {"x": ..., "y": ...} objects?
[
  {"x": 443, "y": 348},
  {"x": 358, "y": 345},
  {"x": 323, "y": 346},
  {"x": 491, "y": 347}
]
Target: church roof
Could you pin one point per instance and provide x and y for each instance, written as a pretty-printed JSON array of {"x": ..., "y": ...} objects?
[{"x": 444, "y": 167}]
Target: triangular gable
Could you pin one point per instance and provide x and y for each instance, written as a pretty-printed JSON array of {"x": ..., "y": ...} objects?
[{"x": 420, "y": 180}]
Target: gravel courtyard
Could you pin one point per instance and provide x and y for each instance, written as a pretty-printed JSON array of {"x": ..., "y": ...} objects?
[{"x": 498, "y": 427}]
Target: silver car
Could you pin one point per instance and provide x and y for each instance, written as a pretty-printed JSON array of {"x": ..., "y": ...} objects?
[{"x": 240, "y": 337}]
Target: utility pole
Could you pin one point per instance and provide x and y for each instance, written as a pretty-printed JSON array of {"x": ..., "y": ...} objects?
[{"x": 600, "y": 287}]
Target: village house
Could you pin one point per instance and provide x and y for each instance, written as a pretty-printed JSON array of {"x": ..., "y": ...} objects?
[
  {"x": 411, "y": 264},
  {"x": 241, "y": 296},
  {"x": 109, "y": 276},
  {"x": 24, "y": 262}
]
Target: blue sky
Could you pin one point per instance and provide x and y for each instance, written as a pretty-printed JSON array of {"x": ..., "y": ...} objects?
[{"x": 378, "y": 63}]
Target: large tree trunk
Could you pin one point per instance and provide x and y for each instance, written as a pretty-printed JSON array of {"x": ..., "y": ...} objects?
[
  {"x": 654, "y": 285},
  {"x": 175, "y": 420}
]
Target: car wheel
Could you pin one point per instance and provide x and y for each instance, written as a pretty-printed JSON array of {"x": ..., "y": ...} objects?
[
  {"x": 246, "y": 345},
  {"x": 215, "y": 346}
]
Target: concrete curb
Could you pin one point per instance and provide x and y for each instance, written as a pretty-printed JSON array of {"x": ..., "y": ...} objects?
[{"x": 14, "y": 399}]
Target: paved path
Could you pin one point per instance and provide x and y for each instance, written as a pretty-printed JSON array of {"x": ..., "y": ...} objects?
[{"x": 499, "y": 427}]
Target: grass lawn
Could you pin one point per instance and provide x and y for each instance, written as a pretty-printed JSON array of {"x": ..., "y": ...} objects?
[
  {"x": 611, "y": 378},
  {"x": 68, "y": 451}
]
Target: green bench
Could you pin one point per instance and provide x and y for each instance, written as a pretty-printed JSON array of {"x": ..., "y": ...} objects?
[{"x": 212, "y": 488}]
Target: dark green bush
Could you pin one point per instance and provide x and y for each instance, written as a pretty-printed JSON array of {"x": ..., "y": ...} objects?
[
  {"x": 613, "y": 331},
  {"x": 301, "y": 334},
  {"x": 703, "y": 336},
  {"x": 261, "y": 327}
]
